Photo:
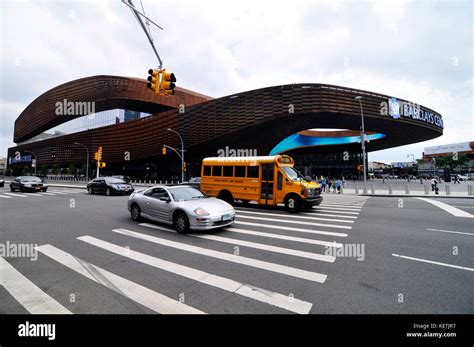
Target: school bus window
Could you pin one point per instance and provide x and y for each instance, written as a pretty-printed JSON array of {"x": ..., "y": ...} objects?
[
  {"x": 228, "y": 171},
  {"x": 240, "y": 171},
  {"x": 207, "y": 170},
  {"x": 279, "y": 181},
  {"x": 252, "y": 171},
  {"x": 217, "y": 171}
]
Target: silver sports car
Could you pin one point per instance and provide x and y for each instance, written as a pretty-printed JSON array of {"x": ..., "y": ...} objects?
[{"x": 182, "y": 206}]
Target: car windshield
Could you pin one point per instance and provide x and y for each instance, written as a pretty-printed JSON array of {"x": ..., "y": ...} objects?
[
  {"x": 186, "y": 193},
  {"x": 114, "y": 180},
  {"x": 31, "y": 179},
  {"x": 290, "y": 172}
]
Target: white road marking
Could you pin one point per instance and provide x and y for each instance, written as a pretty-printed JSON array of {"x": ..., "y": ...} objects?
[
  {"x": 282, "y": 269},
  {"x": 344, "y": 207},
  {"x": 263, "y": 247},
  {"x": 309, "y": 231},
  {"x": 284, "y": 237},
  {"x": 136, "y": 292},
  {"x": 58, "y": 192},
  {"x": 271, "y": 298},
  {"x": 452, "y": 232},
  {"x": 448, "y": 208},
  {"x": 324, "y": 214},
  {"x": 434, "y": 262},
  {"x": 295, "y": 222},
  {"x": 6, "y": 197},
  {"x": 30, "y": 296},
  {"x": 295, "y": 217},
  {"x": 14, "y": 194},
  {"x": 44, "y": 193},
  {"x": 33, "y": 194},
  {"x": 333, "y": 210}
]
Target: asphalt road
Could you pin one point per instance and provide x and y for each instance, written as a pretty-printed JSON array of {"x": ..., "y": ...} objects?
[{"x": 100, "y": 261}]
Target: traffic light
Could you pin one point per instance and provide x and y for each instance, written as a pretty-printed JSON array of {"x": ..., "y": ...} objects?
[
  {"x": 184, "y": 166},
  {"x": 99, "y": 154},
  {"x": 163, "y": 150},
  {"x": 100, "y": 164},
  {"x": 96, "y": 155},
  {"x": 154, "y": 80},
  {"x": 167, "y": 82}
]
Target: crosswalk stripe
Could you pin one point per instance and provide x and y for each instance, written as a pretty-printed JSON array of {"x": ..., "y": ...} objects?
[
  {"x": 275, "y": 249},
  {"x": 309, "y": 231},
  {"x": 13, "y": 194},
  {"x": 322, "y": 213},
  {"x": 260, "y": 264},
  {"x": 294, "y": 217},
  {"x": 58, "y": 192},
  {"x": 262, "y": 295},
  {"x": 30, "y": 296},
  {"x": 6, "y": 197},
  {"x": 285, "y": 237},
  {"x": 44, "y": 193},
  {"x": 329, "y": 209},
  {"x": 134, "y": 291},
  {"x": 345, "y": 207},
  {"x": 295, "y": 222},
  {"x": 448, "y": 208},
  {"x": 33, "y": 194}
]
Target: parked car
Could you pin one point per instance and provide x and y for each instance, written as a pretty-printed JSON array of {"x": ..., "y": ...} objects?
[
  {"x": 109, "y": 186},
  {"x": 28, "y": 184},
  {"x": 184, "y": 207},
  {"x": 2, "y": 182}
]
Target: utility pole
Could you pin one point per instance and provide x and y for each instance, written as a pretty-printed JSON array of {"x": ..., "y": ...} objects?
[{"x": 363, "y": 143}]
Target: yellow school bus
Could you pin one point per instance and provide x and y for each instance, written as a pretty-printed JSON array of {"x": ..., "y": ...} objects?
[{"x": 268, "y": 180}]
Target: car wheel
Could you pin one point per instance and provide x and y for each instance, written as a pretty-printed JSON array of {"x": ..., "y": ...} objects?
[
  {"x": 181, "y": 222},
  {"x": 12, "y": 189},
  {"x": 135, "y": 213},
  {"x": 108, "y": 192},
  {"x": 90, "y": 191},
  {"x": 226, "y": 196},
  {"x": 44, "y": 190},
  {"x": 292, "y": 204}
]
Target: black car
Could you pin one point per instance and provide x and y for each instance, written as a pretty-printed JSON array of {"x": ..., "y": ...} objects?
[
  {"x": 28, "y": 184},
  {"x": 109, "y": 186}
]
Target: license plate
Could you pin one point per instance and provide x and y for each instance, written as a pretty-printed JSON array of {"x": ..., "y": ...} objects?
[
  {"x": 37, "y": 188},
  {"x": 226, "y": 217},
  {"x": 126, "y": 189}
]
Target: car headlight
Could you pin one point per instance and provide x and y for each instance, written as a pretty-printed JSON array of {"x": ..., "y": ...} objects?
[
  {"x": 115, "y": 186},
  {"x": 201, "y": 212}
]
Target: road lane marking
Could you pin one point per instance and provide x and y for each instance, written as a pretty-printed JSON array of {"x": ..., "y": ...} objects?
[
  {"x": 333, "y": 210},
  {"x": 309, "y": 231},
  {"x": 6, "y": 197},
  {"x": 434, "y": 262},
  {"x": 448, "y": 208},
  {"x": 30, "y": 296},
  {"x": 20, "y": 195},
  {"x": 296, "y": 217},
  {"x": 321, "y": 213},
  {"x": 134, "y": 291},
  {"x": 285, "y": 237},
  {"x": 262, "y": 295},
  {"x": 44, "y": 193},
  {"x": 58, "y": 192},
  {"x": 259, "y": 264},
  {"x": 452, "y": 232},
  {"x": 295, "y": 222},
  {"x": 263, "y": 247},
  {"x": 344, "y": 207}
]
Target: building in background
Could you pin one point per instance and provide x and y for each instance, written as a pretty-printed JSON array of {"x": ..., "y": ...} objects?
[{"x": 452, "y": 150}]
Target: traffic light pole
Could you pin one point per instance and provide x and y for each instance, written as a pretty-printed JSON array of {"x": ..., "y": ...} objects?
[
  {"x": 182, "y": 161},
  {"x": 182, "y": 153},
  {"x": 363, "y": 143},
  {"x": 36, "y": 159}
]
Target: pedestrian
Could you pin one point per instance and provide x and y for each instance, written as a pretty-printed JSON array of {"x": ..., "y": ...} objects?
[
  {"x": 338, "y": 185},
  {"x": 333, "y": 184},
  {"x": 434, "y": 185},
  {"x": 323, "y": 184},
  {"x": 456, "y": 179}
]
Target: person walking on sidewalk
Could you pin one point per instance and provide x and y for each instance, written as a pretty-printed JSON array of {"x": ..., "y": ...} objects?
[
  {"x": 434, "y": 185},
  {"x": 456, "y": 179}
]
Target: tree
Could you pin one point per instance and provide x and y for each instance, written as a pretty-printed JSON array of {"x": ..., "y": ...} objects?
[
  {"x": 451, "y": 161},
  {"x": 44, "y": 170}
]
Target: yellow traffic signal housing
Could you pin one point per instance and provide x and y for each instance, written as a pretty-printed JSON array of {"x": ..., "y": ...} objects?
[
  {"x": 168, "y": 80},
  {"x": 96, "y": 156},
  {"x": 100, "y": 164},
  {"x": 154, "y": 80},
  {"x": 99, "y": 154},
  {"x": 184, "y": 166},
  {"x": 163, "y": 150}
]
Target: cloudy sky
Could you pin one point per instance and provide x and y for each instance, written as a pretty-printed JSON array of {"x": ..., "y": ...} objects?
[{"x": 417, "y": 50}]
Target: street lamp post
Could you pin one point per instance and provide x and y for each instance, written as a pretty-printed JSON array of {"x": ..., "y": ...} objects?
[
  {"x": 363, "y": 142},
  {"x": 182, "y": 153},
  {"x": 36, "y": 159},
  {"x": 87, "y": 163}
]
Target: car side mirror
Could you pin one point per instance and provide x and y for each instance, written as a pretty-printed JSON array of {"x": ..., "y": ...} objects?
[{"x": 164, "y": 198}]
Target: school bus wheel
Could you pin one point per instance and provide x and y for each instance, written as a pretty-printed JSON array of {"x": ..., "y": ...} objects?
[
  {"x": 293, "y": 203},
  {"x": 226, "y": 196}
]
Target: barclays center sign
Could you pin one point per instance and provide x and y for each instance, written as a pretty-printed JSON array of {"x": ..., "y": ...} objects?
[{"x": 397, "y": 109}]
